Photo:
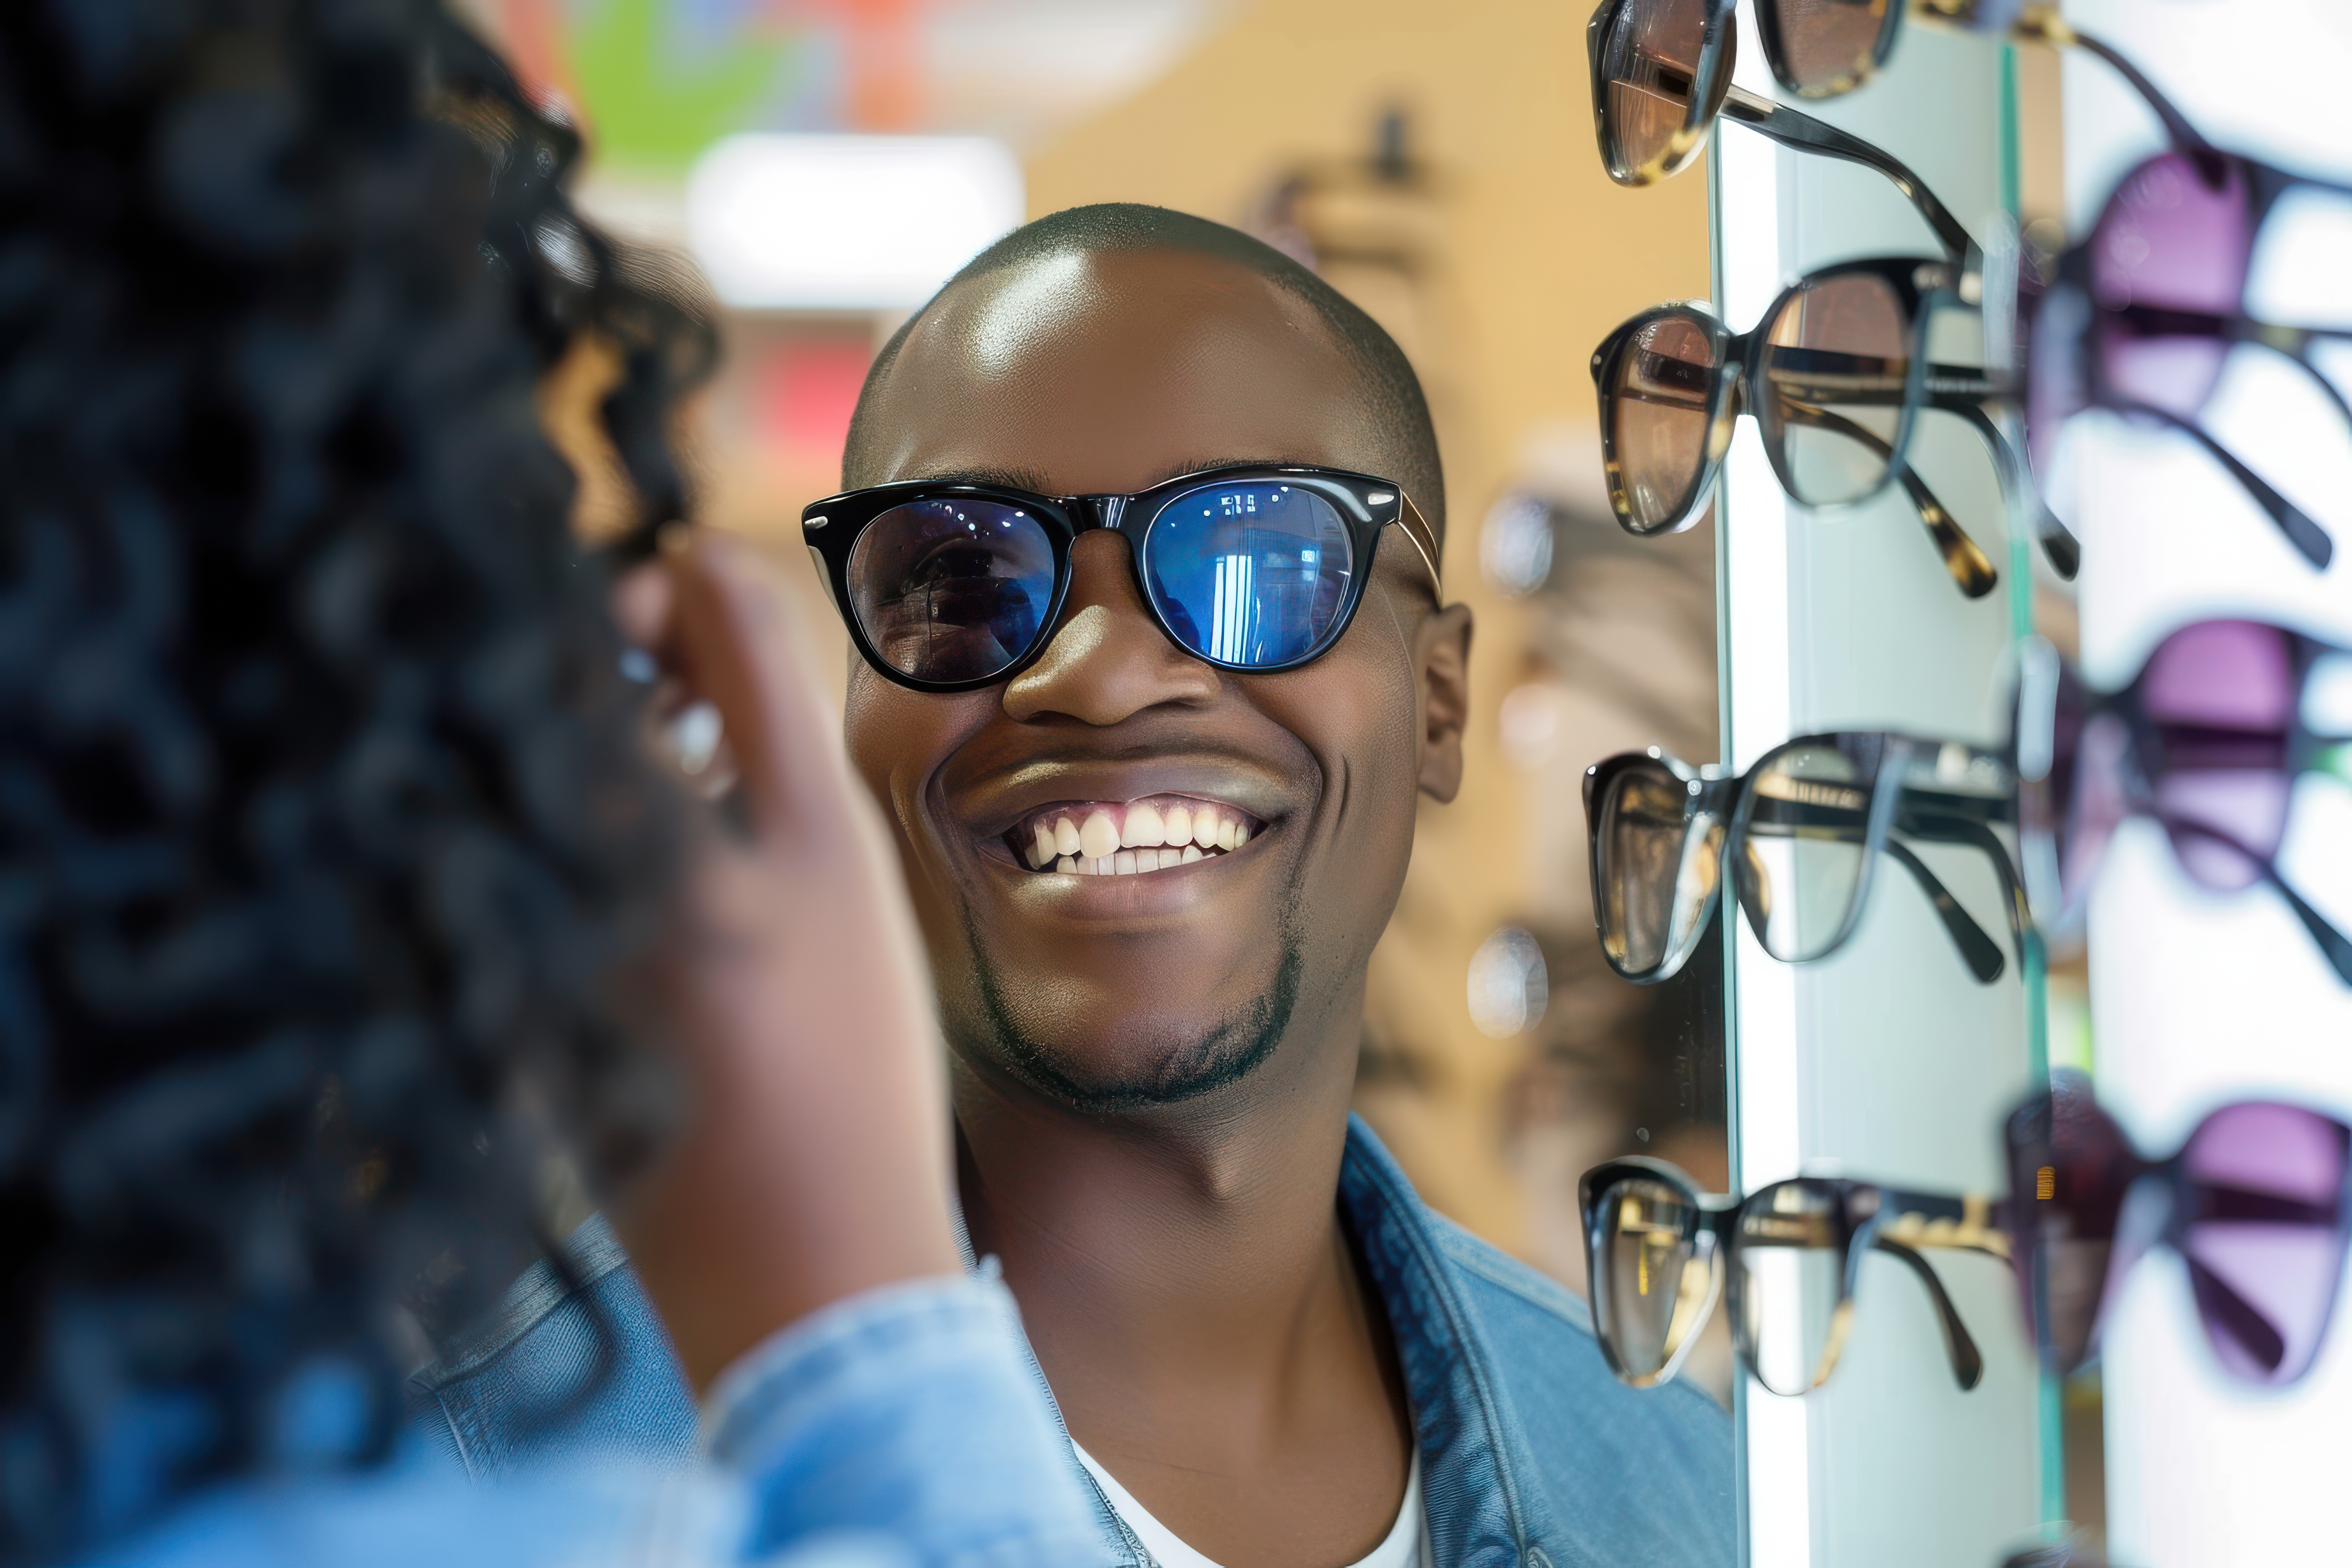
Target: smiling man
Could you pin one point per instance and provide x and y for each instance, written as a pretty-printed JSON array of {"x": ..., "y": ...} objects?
[{"x": 1153, "y": 669}]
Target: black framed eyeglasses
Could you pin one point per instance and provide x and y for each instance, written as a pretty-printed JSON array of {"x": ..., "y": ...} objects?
[
  {"x": 1801, "y": 831},
  {"x": 1785, "y": 1260},
  {"x": 1835, "y": 373},
  {"x": 949, "y": 587}
]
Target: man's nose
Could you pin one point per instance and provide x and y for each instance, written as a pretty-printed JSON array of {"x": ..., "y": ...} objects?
[{"x": 1108, "y": 658}]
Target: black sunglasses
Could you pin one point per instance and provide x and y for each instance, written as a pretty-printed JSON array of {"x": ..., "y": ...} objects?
[
  {"x": 2208, "y": 740},
  {"x": 1662, "y": 76},
  {"x": 2257, "y": 1199},
  {"x": 2141, "y": 318},
  {"x": 1835, "y": 373},
  {"x": 949, "y": 587}
]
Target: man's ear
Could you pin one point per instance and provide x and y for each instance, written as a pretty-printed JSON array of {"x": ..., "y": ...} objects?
[{"x": 1441, "y": 654}]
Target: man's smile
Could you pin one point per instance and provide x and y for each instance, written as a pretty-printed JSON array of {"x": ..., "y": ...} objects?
[
  {"x": 1127, "y": 838},
  {"x": 1064, "y": 822}
]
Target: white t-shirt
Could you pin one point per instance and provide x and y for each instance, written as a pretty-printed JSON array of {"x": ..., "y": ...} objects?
[{"x": 1405, "y": 1546}]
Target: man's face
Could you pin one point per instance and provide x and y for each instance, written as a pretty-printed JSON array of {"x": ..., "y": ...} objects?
[{"x": 1111, "y": 373}]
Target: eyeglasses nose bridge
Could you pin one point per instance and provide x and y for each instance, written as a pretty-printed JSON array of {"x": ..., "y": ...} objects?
[
  {"x": 1091, "y": 512},
  {"x": 1733, "y": 399}
]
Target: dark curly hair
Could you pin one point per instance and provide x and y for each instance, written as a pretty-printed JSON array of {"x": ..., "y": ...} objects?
[{"x": 324, "y": 825}]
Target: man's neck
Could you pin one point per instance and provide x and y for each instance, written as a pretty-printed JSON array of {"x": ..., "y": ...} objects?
[{"x": 1194, "y": 1300}]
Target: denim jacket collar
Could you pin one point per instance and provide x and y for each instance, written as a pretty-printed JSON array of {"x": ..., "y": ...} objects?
[{"x": 1485, "y": 1508}]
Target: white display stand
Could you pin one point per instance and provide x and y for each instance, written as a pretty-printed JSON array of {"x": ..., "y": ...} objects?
[{"x": 1888, "y": 1061}]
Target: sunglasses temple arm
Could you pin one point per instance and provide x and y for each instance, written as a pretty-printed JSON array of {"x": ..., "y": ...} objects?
[
  {"x": 1963, "y": 558},
  {"x": 1967, "y": 1362},
  {"x": 2332, "y": 942},
  {"x": 2295, "y": 343},
  {"x": 1978, "y": 950},
  {"x": 2224, "y": 1308},
  {"x": 1943, "y": 829},
  {"x": 2044, "y": 23},
  {"x": 1790, "y": 129},
  {"x": 2058, "y": 543},
  {"x": 2305, "y": 535},
  {"x": 1424, "y": 541}
]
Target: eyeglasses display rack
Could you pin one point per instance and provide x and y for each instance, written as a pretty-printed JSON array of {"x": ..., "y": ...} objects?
[{"x": 1889, "y": 1061}]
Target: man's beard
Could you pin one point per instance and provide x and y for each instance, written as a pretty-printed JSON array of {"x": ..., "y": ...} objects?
[{"x": 1223, "y": 1054}]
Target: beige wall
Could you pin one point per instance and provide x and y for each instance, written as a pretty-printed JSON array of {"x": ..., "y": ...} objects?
[{"x": 1536, "y": 257}]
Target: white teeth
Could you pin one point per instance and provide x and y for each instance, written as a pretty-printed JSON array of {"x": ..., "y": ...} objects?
[
  {"x": 1159, "y": 834},
  {"x": 1097, "y": 839},
  {"x": 1132, "y": 862}
]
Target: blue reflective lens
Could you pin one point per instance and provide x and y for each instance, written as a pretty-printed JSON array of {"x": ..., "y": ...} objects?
[
  {"x": 1251, "y": 573},
  {"x": 953, "y": 589}
]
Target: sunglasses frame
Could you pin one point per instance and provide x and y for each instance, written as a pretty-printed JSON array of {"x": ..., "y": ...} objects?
[
  {"x": 2031, "y": 755},
  {"x": 2184, "y": 1207},
  {"x": 1941, "y": 792},
  {"x": 2069, "y": 294},
  {"x": 1922, "y": 286},
  {"x": 1868, "y": 1217},
  {"x": 1714, "y": 97},
  {"x": 2034, "y": 21},
  {"x": 1775, "y": 51},
  {"x": 832, "y": 528}
]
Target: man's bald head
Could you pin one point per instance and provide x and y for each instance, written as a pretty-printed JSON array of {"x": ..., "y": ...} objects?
[{"x": 1390, "y": 391}]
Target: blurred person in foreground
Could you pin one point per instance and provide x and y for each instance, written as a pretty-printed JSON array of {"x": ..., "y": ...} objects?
[
  {"x": 341, "y": 887},
  {"x": 1269, "y": 1352}
]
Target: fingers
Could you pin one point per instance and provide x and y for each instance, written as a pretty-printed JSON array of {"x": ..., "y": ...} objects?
[
  {"x": 735, "y": 639},
  {"x": 643, "y": 602}
]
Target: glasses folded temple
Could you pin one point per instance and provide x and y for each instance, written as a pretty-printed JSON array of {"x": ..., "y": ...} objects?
[{"x": 1936, "y": 1221}]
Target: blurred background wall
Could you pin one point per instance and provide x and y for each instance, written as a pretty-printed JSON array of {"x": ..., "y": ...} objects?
[{"x": 1436, "y": 162}]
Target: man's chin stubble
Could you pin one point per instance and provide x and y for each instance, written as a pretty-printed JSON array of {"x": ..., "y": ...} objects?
[{"x": 1180, "y": 1069}]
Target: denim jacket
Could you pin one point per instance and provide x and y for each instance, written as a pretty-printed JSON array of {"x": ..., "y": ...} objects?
[
  {"x": 1531, "y": 1452},
  {"x": 902, "y": 1427}
]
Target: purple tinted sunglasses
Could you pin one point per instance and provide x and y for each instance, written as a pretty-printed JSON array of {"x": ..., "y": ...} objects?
[
  {"x": 2208, "y": 740},
  {"x": 2258, "y": 1201},
  {"x": 2140, "y": 317}
]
